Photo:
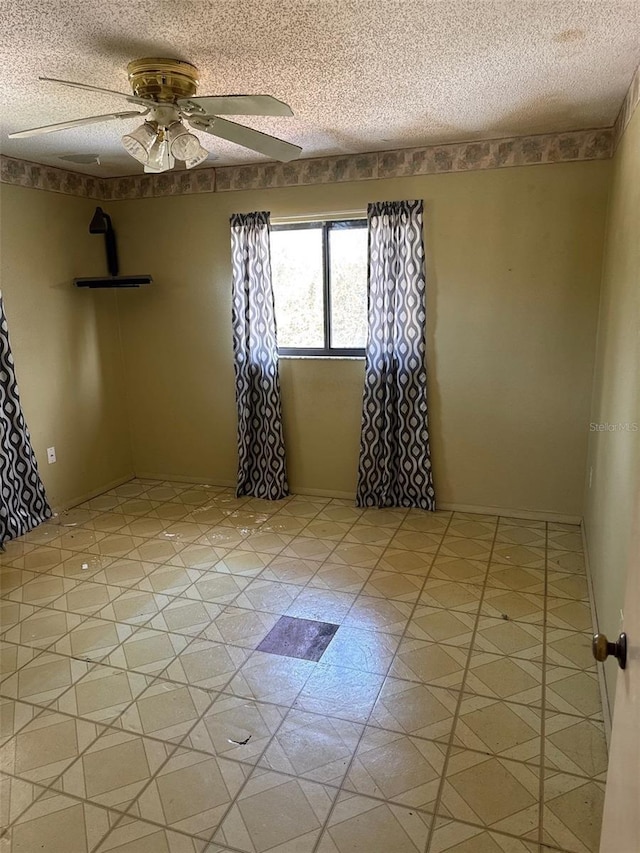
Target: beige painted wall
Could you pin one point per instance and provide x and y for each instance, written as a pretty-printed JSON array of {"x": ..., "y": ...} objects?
[
  {"x": 514, "y": 261},
  {"x": 614, "y": 457},
  {"x": 65, "y": 341}
]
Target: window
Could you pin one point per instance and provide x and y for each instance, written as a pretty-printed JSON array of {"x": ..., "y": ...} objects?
[{"x": 319, "y": 272}]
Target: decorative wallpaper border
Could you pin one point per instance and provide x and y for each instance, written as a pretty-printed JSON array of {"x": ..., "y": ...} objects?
[
  {"x": 52, "y": 179},
  {"x": 168, "y": 183},
  {"x": 631, "y": 100},
  {"x": 38, "y": 177},
  {"x": 428, "y": 160}
]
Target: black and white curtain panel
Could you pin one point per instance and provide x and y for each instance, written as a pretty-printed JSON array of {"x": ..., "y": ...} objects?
[
  {"x": 23, "y": 504},
  {"x": 395, "y": 461},
  {"x": 262, "y": 470}
]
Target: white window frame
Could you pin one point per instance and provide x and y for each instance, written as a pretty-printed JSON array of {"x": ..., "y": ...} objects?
[{"x": 326, "y": 351}]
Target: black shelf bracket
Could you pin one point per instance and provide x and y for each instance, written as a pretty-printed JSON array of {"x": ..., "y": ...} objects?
[{"x": 101, "y": 224}]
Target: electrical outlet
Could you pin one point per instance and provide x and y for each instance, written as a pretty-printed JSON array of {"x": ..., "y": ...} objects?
[{"x": 51, "y": 455}]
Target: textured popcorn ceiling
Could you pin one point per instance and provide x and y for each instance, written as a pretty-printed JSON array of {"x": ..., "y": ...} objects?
[{"x": 360, "y": 75}]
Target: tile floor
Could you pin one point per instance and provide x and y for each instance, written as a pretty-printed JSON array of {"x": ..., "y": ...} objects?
[{"x": 455, "y": 709}]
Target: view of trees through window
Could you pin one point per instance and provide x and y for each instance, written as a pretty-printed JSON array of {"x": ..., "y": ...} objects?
[{"x": 303, "y": 294}]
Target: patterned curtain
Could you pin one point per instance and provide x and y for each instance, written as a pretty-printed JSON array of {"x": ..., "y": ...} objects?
[
  {"x": 23, "y": 503},
  {"x": 262, "y": 470},
  {"x": 395, "y": 462}
]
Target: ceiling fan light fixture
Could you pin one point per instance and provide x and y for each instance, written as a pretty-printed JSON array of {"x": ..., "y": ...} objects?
[
  {"x": 160, "y": 158},
  {"x": 183, "y": 145},
  {"x": 198, "y": 158},
  {"x": 140, "y": 141}
]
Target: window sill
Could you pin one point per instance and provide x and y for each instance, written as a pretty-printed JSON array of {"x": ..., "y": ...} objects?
[{"x": 321, "y": 358}]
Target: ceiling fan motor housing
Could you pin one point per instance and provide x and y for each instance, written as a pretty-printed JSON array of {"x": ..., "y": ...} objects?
[{"x": 164, "y": 80}]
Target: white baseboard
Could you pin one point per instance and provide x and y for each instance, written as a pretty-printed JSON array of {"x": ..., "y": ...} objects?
[
  {"x": 533, "y": 515},
  {"x": 602, "y": 681},
  {"x": 217, "y": 481},
  {"x": 65, "y": 505},
  {"x": 508, "y": 512},
  {"x": 183, "y": 478},
  {"x": 324, "y": 493}
]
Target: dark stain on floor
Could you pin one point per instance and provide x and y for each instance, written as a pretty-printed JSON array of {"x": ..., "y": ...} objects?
[{"x": 298, "y": 638}]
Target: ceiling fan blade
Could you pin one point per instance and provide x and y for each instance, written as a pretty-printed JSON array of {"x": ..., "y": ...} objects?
[
  {"x": 131, "y": 98},
  {"x": 235, "y": 105},
  {"x": 271, "y": 146},
  {"x": 77, "y": 122}
]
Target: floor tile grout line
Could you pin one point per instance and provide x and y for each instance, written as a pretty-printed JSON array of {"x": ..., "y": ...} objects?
[
  {"x": 502, "y": 833},
  {"x": 432, "y": 558},
  {"x": 251, "y": 773},
  {"x": 445, "y": 766},
  {"x": 91, "y": 849},
  {"x": 136, "y": 628},
  {"x": 318, "y": 512},
  {"x": 201, "y": 716},
  {"x": 36, "y": 607},
  {"x": 83, "y": 800},
  {"x": 48, "y": 648},
  {"x": 152, "y": 676},
  {"x": 98, "y": 723},
  {"x": 4, "y": 678},
  {"x": 60, "y": 695},
  {"x": 255, "y": 764},
  {"x": 171, "y": 752},
  {"x": 541, "y": 794},
  {"x": 42, "y": 709},
  {"x": 6, "y": 829},
  {"x": 220, "y": 693},
  {"x": 181, "y": 596},
  {"x": 48, "y": 787},
  {"x": 95, "y": 664},
  {"x": 168, "y": 560},
  {"x": 102, "y": 534},
  {"x": 271, "y": 740},
  {"x": 152, "y": 777},
  {"x": 357, "y": 747},
  {"x": 112, "y": 725},
  {"x": 6, "y": 742},
  {"x": 51, "y": 604},
  {"x": 191, "y": 638},
  {"x": 125, "y": 815}
]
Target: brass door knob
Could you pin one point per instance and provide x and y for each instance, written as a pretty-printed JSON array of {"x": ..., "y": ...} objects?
[{"x": 602, "y": 648}]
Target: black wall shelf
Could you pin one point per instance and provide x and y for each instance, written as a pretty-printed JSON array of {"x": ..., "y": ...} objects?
[
  {"x": 101, "y": 224},
  {"x": 114, "y": 281}
]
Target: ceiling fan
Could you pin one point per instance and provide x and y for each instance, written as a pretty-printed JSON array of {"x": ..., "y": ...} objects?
[{"x": 166, "y": 89}]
